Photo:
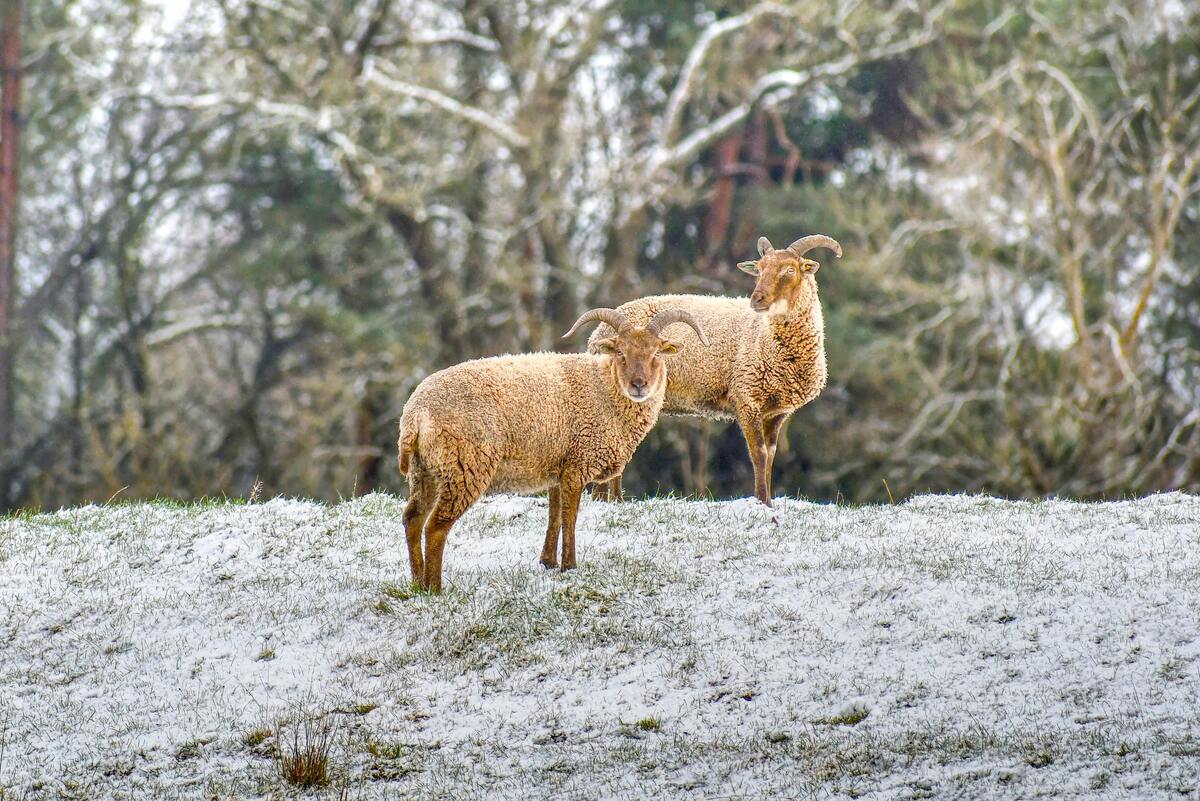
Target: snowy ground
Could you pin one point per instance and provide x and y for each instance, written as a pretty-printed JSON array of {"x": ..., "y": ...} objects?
[{"x": 949, "y": 647}]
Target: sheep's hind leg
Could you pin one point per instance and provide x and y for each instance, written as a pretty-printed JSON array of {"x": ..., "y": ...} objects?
[
  {"x": 446, "y": 511},
  {"x": 569, "y": 500},
  {"x": 550, "y": 547},
  {"x": 607, "y": 490},
  {"x": 420, "y": 499},
  {"x": 455, "y": 494},
  {"x": 613, "y": 488}
]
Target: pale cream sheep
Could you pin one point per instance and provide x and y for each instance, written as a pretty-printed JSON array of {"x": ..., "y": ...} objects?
[
  {"x": 765, "y": 358},
  {"x": 526, "y": 424}
]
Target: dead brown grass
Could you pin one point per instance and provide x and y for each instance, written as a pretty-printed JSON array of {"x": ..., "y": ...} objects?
[{"x": 303, "y": 747}]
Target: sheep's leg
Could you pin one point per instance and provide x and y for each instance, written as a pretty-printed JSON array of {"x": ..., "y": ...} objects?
[
  {"x": 752, "y": 429},
  {"x": 446, "y": 511},
  {"x": 571, "y": 491},
  {"x": 607, "y": 490},
  {"x": 771, "y": 429},
  {"x": 550, "y": 547},
  {"x": 420, "y": 498},
  {"x": 436, "y": 531},
  {"x": 614, "y": 488},
  {"x": 456, "y": 492}
]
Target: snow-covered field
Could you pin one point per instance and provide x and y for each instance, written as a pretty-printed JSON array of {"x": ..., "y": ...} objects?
[{"x": 948, "y": 647}]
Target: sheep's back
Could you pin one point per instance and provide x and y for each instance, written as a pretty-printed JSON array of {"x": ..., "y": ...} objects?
[
  {"x": 517, "y": 410},
  {"x": 698, "y": 376}
]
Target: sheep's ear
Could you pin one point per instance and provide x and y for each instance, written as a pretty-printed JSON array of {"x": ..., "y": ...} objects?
[
  {"x": 606, "y": 346},
  {"x": 809, "y": 266},
  {"x": 750, "y": 267},
  {"x": 764, "y": 246},
  {"x": 668, "y": 347}
]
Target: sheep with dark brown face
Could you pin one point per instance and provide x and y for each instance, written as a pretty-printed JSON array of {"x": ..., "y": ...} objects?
[
  {"x": 766, "y": 356},
  {"x": 529, "y": 423}
]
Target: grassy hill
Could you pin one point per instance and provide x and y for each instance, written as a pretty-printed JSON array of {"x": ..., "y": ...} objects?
[{"x": 947, "y": 647}]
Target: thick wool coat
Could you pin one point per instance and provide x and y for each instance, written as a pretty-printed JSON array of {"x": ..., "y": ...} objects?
[
  {"x": 521, "y": 424},
  {"x": 754, "y": 362}
]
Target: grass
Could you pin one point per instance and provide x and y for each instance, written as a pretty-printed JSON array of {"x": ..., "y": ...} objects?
[
  {"x": 303, "y": 749},
  {"x": 192, "y": 748},
  {"x": 391, "y": 760},
  {"x": 850, "y": 717},
  {"x": 257, "y": 737},
  {"x": 383, "y": 607},
  {"x": 357, "y": 709},
  {"x": 1039, "y": 758},
  {"x": 399, "y": 593}
]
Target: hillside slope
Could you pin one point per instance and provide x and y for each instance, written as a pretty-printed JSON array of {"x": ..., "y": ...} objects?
[{"x": 948, "y": 647}]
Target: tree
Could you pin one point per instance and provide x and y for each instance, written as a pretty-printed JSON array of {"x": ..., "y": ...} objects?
[
  {"x": 10, "y": 125},
  {"x": 247, "y": 233},
  {"x": 1083, "y": 130}
]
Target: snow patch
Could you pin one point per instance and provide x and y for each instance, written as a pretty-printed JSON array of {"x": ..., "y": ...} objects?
[{"x": 944, "y": 647}]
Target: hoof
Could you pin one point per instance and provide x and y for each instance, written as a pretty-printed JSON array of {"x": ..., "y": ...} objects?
[
  {"x": 565, "y": 568},
  {"x": 549, "y": 564}
]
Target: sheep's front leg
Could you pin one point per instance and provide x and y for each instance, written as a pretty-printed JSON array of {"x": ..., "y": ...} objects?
[
  {"x": 752, "y": 429},
  {"x": 571, "y": 491},
  {"x": 550, "y": 547},
  {"x": 771, "y": 429}
]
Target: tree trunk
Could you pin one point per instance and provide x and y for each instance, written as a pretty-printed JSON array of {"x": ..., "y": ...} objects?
[
  {"x": 10, "y": 121},
  {"x": 720, "y": 203},
  {"x": 435, "y": 286},
  {"x": 371, "y": 409}
]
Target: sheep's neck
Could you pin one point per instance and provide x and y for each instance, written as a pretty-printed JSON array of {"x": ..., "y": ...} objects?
[{"x": 798, "y": 337}]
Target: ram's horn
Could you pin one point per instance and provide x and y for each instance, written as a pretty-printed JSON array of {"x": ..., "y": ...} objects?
[
  {"x": 764, "y": 246},
  {"x": 610, "y": 316},
  {"x": 807, "y": 243},
  {"x": 669, "y": 316}
]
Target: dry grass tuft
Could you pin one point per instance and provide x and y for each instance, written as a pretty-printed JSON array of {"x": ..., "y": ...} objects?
[{"x": 302, "y": 750}]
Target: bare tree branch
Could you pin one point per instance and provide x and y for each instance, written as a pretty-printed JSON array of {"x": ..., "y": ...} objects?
[
  {"x": 691, "y": 66},
  {"x": 372, "y": 73}
]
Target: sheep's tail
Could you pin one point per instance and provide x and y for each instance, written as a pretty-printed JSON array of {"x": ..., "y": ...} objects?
[{"x": 409, "y": 429}]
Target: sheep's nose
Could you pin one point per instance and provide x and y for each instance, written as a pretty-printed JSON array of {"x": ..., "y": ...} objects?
[{"x": 638, "y": 383}]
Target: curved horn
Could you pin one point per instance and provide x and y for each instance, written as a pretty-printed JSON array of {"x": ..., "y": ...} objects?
[
  {"x": 764, "y": 246},
  {"x": 807, "y": 243},
  {"x": 669, "y": 316},
  {"x": 610, "y": 316}
]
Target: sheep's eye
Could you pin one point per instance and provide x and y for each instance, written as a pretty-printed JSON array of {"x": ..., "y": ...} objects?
[{"x": 791, "y": 270}]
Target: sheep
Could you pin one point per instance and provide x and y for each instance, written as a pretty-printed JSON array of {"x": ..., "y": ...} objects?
[
  {"x": 528, "y": 423},
  {"x": 767, "y": 356}
]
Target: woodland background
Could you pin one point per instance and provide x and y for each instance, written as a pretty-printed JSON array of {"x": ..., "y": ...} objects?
[{"x": 234, "y": 234}]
